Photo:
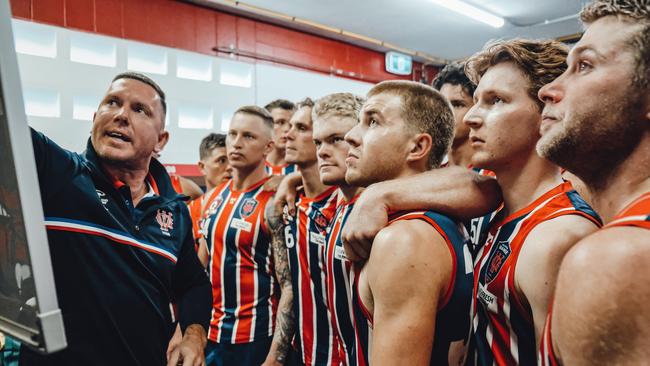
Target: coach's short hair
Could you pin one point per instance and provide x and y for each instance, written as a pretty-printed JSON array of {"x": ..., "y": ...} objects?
[
  {"x": 211, "y": 142},
  {"x": 258, "y": 112},
  {"x": 635, "y": 12},
  {"x": 147, "y": 80},
  {"x": 454, "y": 74},
  {"x": 338, "y": 105},
  {"x": 280, "y": 103},
  {"x": 541, "y": 61},
  {"x": 424, "y": 110}
]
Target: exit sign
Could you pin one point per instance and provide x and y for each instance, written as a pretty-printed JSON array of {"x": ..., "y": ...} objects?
[{"x": 399, "y": 63}]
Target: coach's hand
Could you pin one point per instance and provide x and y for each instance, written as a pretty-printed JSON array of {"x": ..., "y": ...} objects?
[
  {"x": 287, "y": 193},
  {"x": 190, "y": 352},
  {"x": 369, "y": 215}
]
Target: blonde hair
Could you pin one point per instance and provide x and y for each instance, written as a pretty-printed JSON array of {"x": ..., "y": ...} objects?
[{"x": 338, "y": 104}]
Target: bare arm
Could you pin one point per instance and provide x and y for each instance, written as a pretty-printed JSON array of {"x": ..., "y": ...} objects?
[
  {"x": 284, "y": 322},
  {"x": 287, "y": 193},
  {"x": 454, "y": 191},
  {"x": 601, "y": 313},
  {"x": 407, "y": 282},
  {"x": 190, "y": 188},
  {"x": 539, "y": 262}
]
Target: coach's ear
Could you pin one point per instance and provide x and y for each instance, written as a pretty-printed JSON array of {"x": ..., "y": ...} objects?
[{"x": 420, "y": 148}]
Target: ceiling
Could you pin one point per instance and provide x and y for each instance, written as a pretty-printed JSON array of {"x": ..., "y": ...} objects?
[{"x": 422, "y": 26}]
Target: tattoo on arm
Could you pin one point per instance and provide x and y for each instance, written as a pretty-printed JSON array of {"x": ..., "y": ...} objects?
[{"x": 285, "y": 322}]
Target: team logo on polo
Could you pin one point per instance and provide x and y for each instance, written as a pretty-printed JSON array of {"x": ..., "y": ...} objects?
[
  {"x": 166, "y": 221},
  {"x": 496, "y": 260},
  {"x": 248, "y": 207}
]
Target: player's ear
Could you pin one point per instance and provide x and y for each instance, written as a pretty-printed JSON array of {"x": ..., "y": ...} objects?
[
  {"x": 269, "y": 147},
  {"x": 420, "y": 148},
  {"x": 201, "y": 166}
]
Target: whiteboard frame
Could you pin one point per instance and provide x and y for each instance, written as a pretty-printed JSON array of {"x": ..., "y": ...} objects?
[{"x": 52, "y": 335}]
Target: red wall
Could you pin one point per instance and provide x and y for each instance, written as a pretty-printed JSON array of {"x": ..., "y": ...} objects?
[{"x": 194, "y": 28}]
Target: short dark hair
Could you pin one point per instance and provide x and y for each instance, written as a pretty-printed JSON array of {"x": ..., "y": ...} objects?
[
  {"x": 147, "y": 80},
  {"x": 282, "y": 104},
  {"x": 211, "y": 142},
  {"x": 454, "y": 74},
  {"x": 258, "y": 112}
]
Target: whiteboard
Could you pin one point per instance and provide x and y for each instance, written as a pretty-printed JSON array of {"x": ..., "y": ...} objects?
[{"x": 28, "y": 306}]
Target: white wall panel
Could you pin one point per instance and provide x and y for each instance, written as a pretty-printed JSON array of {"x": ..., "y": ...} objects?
[{"x": 72, "y": 70}]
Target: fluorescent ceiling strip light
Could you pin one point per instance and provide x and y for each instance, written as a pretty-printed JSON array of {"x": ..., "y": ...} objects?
[{"x": 472, "y": 12}]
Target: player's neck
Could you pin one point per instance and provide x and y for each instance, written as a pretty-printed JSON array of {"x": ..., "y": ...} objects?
[
  {"x": 624, "y": 184},
  {"x": 311, "y": 180},
  {"x": 349, "y": 192},
  {"x": 461, "y": 155},
  {"x": 208, "y": 186},
  {"x": 242, "y": 179},
  {"x": 276, "y": 157},
  {"x": 523, "y": 183}
]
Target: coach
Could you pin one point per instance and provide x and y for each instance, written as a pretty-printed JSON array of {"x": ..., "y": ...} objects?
[{"x": 120, "y": 239}]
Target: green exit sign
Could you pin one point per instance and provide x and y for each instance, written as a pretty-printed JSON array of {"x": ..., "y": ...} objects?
[{"x": 399, "y": 63}]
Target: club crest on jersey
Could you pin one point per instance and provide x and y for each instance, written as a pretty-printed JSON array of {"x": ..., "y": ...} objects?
[
  {"x": 320, "y": 220},
  {"x": 214, "y": 206},
  {"x": 247, "y": 207},
  {"x": 166, "y": 221},
  {"x": 496, "y": 260}
]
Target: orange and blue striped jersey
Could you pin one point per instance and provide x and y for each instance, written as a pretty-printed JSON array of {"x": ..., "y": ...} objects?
[
  {"x": 636, "y": 214},
  {"x": 279, "y": 169},
  {"x": 337, "y": 280},
  {"x": 478, "y": 227},
  {"x": 453, "y": 318},
  {"x": 240, "y": 265},
  {"x": 503, "y": 325},
  {"x": 305, "y": 240}
]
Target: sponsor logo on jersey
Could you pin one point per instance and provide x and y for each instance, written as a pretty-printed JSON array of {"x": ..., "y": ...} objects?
[
  {"x": 496, "y": 260},
  {"x": 248, "y": 207},
  {"x": 166, "y": 221}
]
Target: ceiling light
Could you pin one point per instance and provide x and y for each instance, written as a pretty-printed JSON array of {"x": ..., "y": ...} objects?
[{"x": 472, "y": 12}]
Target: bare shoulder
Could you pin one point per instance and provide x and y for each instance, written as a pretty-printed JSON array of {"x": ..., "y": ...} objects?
[
  {"x": 600, "y": 310},
  {"x": 404, "y": 252},
  {"x": 557, "y": 235},
  {"x": 405, "y": 239},
  {"x": 613, "y": 255}
]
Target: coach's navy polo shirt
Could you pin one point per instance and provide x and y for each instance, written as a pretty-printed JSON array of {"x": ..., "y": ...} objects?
[{"x": 116, "y": 267}]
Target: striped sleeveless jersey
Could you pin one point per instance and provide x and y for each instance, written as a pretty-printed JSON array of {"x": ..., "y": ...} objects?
[
  {"x": 305, "y": 239},
  {"x": 453, "y": 320},
  {"x": 240, "y": 265},
  {"x": 503, "y": 324},
  {"x": 337, "y": 279},
  {"x": 636, "y": 214}
]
